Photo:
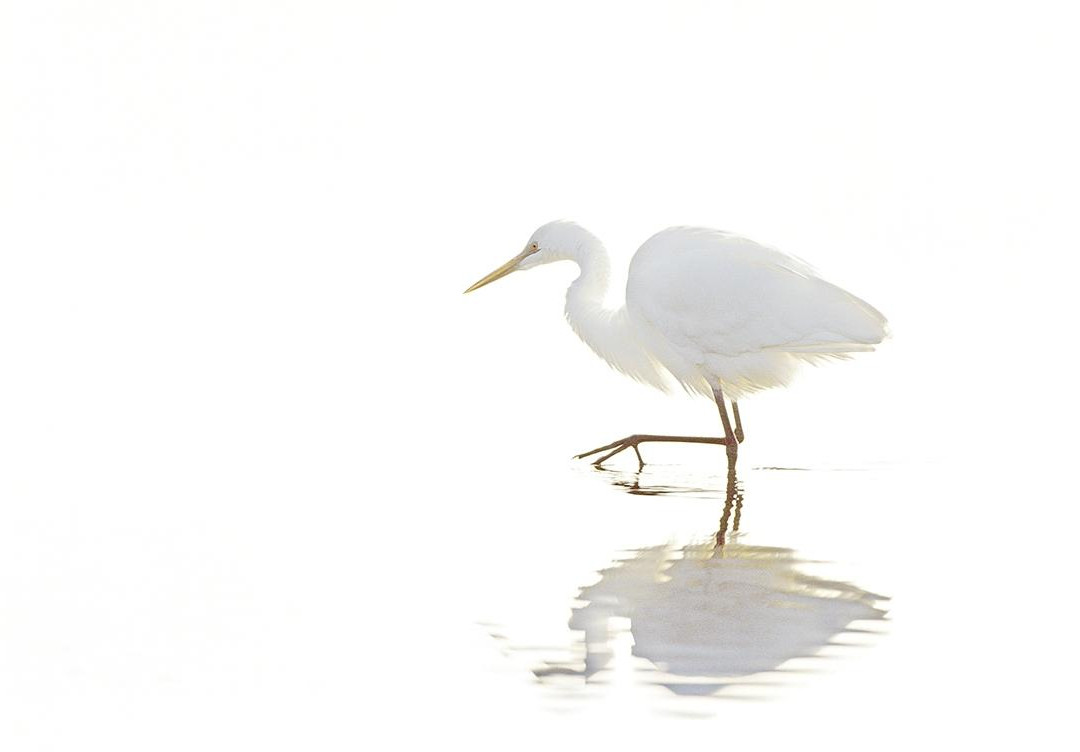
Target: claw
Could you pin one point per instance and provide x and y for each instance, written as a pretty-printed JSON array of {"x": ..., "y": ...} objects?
[
  {"x": 621, "y": 447},
  {"x": 604, "y": 448},
  {"x": 630, "y": 442}
]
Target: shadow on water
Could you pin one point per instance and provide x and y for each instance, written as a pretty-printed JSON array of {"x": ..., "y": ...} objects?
[{"x": 707, "y": 616}]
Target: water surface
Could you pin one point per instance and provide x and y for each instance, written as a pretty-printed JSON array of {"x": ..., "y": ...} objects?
[{"x": 710, "y": 613}]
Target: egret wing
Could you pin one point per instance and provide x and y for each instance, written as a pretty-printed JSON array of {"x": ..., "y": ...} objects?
[{"x": 711, "y": 293}]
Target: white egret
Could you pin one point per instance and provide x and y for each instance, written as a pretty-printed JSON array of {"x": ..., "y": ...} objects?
[{"x": 718, "y": 313}]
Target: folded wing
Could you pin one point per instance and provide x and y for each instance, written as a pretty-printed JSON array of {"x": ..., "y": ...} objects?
[{"x": 711, "y": 293}]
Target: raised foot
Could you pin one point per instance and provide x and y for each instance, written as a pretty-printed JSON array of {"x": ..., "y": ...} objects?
[
  {"x": 628, "y": 442},
  {"x": 632, "y": 441}
]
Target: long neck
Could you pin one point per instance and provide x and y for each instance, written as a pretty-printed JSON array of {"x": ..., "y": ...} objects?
[
  {"x": 585, "y": 297},
  {"x": 606, "y": 331}
]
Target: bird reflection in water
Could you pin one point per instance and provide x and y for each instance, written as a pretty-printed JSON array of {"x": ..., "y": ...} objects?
[{"x": 708, "y": 615}]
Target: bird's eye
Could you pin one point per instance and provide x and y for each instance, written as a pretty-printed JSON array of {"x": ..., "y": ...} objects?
[{"x": 534, "y": 247}]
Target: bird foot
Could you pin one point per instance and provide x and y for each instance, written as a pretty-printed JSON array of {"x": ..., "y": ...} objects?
[
  {"x": 632, "y": 441},
  {"x": 629, "y": 442}
]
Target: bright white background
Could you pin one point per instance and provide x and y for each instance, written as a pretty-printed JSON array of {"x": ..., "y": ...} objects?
[{"x": 262, "y": 465}]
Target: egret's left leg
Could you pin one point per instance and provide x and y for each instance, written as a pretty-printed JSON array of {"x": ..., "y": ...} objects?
[
  {"x": 731, "y": 440},
  {"x": 632, "y": 441}
]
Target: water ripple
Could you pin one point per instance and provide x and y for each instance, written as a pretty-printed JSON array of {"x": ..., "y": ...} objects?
[{"x": 701, "y": 618}]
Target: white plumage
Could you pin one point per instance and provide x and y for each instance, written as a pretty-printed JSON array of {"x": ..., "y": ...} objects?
[
  {"x": 716, "y": 307},
  {"x": 719, "y": 313}
]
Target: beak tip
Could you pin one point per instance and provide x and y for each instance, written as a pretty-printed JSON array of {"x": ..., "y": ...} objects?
[{"x": 499, "y": 273}]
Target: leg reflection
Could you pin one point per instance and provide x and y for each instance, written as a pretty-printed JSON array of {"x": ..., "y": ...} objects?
[
  {"x": 732, "y": 502},
  {"x": 699, "y": 618}
]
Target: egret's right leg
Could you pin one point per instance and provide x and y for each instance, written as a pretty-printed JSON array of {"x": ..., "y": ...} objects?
[
  {"x": 739, "y": 436},
  {"x": 732, "y": 440}
]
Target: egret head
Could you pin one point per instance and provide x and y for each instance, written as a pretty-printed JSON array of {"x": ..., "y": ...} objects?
[{"x": 554, "y": 241}]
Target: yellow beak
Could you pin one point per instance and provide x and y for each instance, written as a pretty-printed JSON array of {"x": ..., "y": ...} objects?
[{"x": 502, "y": 271}]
